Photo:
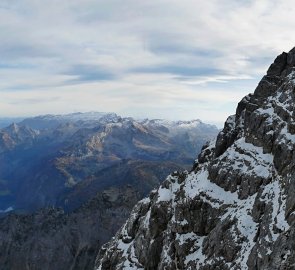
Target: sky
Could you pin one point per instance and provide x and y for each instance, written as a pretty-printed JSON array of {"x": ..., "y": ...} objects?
[{"x": 170, "y": 59}]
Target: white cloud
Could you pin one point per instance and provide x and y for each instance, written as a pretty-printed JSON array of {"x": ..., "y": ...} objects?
[{"x": 175, "y": 59}]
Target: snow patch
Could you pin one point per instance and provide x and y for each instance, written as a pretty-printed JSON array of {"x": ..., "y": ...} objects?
[
  {"x": 9, "y": 209},
  {"x": 199, "y": 183}
]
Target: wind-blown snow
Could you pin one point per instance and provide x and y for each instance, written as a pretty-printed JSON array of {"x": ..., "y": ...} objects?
[{"x": 198, "y": 183}]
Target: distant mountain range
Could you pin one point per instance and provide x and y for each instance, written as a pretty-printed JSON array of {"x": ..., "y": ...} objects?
[
  {"x": 95, "y": 166},
  {"x": 64, "y": 160}
]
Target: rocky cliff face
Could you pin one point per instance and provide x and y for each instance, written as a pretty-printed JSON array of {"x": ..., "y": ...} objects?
[{"x": 235, "y": 209}]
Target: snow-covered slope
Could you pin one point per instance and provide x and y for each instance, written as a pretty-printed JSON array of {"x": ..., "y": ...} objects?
[{"x": 235, "y": 209}]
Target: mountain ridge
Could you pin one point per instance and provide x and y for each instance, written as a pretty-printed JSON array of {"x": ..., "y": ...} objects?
[
  {"x": 73, "y": 182},
  {"x": 53, "y": 154},
  {"x": 235, "y": 208}
]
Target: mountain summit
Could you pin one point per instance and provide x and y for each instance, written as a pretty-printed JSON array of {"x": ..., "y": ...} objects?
[{"x": 235, "y": 209}]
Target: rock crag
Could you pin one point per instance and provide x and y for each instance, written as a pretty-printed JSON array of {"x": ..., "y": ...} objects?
[{"x": 235, "y": 208}]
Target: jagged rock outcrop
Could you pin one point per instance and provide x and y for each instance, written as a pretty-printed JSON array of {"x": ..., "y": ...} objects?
[{"x": 235, "y": 209}]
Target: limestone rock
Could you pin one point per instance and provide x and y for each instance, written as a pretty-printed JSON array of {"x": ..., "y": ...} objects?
[{"x": 235, "y": 208}]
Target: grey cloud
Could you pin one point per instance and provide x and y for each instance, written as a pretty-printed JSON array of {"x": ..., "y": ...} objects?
[
  {"x": 177, "y": 43},
  {"x": 89, "y": 73},
  {"x": 178, "y": 48},
  {"x": 184, "y": 71},
  {"x": 20, "y": 52},
  {"x": 32, "y": 101}
]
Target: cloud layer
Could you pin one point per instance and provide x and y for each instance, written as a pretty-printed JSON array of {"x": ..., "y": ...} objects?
[{"x": 169, "y": 59}]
